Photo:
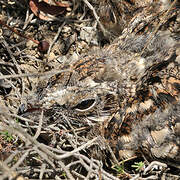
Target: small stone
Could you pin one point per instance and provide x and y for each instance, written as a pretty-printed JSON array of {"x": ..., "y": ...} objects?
[
  {"x": 51, "y": 56},
  {"x": 88, "y": 34}
]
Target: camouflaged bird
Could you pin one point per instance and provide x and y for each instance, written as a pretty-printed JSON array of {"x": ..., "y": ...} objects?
[
  {"x": 139, "y": 16},
  {"x": 131, "y": 88}
]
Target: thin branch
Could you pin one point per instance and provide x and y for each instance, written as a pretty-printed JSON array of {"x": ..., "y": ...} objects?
[
  {"x": 33, "y": 74},
  {"x": 39, "y": 126},
  {"x": 56, "y": 37},
  {"x": 18, "y": 33},
  {"x": 96, "y": 17},
  {"x": 68, "y": 154}
]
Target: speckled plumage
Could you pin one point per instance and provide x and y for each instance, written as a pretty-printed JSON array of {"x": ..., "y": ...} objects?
[{"x": 133, "y": 92}]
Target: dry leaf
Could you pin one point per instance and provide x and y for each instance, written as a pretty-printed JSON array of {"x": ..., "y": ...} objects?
[{"x": 46, "y": 11}]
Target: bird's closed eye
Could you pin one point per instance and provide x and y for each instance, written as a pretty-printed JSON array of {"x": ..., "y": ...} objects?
[{"x": 85, "y": 105}]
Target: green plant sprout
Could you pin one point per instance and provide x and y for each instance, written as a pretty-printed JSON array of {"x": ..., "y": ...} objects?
[
  {"x": 119, "y": 168},
  {"x": 63, "y": 175},
  {"x": 138, "y": 165},
  {"x": 7, "y": 136}
]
